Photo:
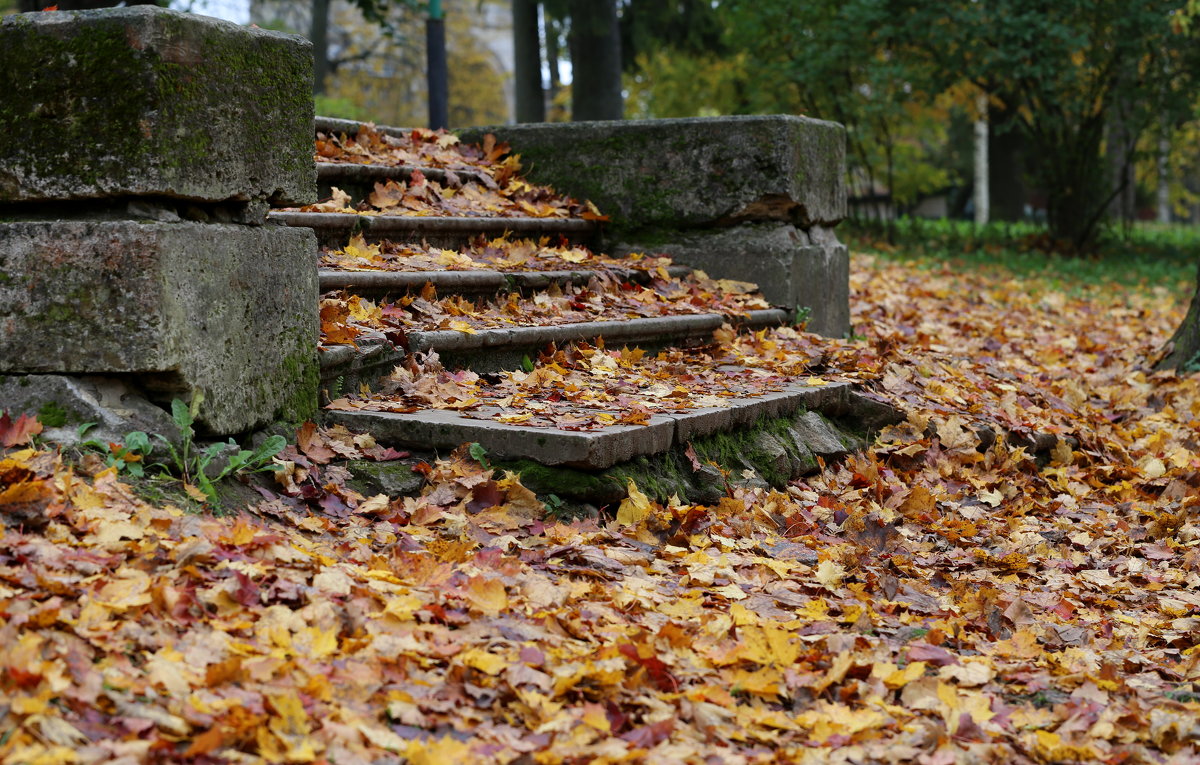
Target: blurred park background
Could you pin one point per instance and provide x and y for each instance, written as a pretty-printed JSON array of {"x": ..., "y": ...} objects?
[{"x": 981, "y": 125}]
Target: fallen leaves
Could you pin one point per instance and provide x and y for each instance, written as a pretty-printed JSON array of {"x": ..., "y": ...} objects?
[
  {"x": 475, "y": 181},
  {"x": 345, "y": 318},
  {"x": 939, "y": 598}
]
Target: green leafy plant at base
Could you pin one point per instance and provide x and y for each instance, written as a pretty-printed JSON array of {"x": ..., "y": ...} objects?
[
  {"x": 193, "y": 463},
  {"x": 127, "y": 457},
  {"x": 189, "y": 463}
]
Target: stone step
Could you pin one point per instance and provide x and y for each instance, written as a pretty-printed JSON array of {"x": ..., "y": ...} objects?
[
  {"x": 350, "y": 127},
  {"x": 335, "y": 229},
  {"x": 359, "y": 180},
  {"x": 493, "y": 350},
  {"x": 440, "y": 429},
  {"x": 383, "y": 284}
]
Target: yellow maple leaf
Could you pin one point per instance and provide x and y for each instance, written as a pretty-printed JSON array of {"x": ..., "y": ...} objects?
[
  {"x": 479, "y": 659},
  {"x": 635, "y": 508}
]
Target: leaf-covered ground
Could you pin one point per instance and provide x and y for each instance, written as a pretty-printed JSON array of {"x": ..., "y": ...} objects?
[{"x": 938, "y": 599}]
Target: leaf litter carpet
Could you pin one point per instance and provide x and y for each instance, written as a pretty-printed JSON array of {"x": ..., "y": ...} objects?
[{"x": 928, "y": 601}]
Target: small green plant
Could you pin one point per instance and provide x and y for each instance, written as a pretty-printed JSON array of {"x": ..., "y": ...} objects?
[
  {"x": 335, "y": 390},
  {"x": 479, "y": 454},
  {"x": 555, "y": 507},
  {"x": 127, "y": 457},
  {"x": 801, "y": 316},
  {"x": 188, "y": 462},
  {"x": 527, "y": 364},
  {"x": 193, "y": 463}
]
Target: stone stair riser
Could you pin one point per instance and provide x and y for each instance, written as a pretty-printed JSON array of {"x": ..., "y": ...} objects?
[
  {"x": 335, "y": 229},
  {"x": 496, "y": 350},
  {"x": 383, "y": 284}
]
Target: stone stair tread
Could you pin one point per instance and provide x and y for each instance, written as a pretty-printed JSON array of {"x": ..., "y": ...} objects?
[
  {"x": 330, "y": 173},
  {"x": 351, "y": 127},
  {"x": 591, "y": 449},
  {"x": 335, "y": 229},
  {"x": 370, "y": 283},
  {"x": 507, "y": 345}
]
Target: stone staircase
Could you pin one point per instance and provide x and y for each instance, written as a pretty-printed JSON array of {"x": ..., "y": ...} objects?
[
  {"x": 392, "y": 260},
  {"x": 441, "y": 295}
]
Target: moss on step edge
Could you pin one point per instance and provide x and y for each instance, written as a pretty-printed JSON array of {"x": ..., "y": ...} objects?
[{"x": 724, "y": 458}]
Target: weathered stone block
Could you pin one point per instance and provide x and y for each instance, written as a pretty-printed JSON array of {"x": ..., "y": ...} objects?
[
  {"x": 680, "y": 173},
  {"x": 789, "y": 267},
  {"x": 223, "y": 309},
  {"x": 152, "y": 102}
]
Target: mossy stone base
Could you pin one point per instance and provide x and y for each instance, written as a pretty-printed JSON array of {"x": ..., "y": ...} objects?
[
  {"x": 220, "y": 309},
  {"x": 771, "y": 452},
  {"x": 393, "y": 478},
  {"x": 151, "y": 102}
]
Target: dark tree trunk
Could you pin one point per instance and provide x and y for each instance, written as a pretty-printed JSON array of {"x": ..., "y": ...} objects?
[
  {"x": 318, "y": 34},
  {"x": 1119, "y": 149},
  {"x": 1182, "y": 351},
  {"x": 531, "y": 104},
  {"x": 1006, "y": 184},
  {"x": 595, "y": 61}
]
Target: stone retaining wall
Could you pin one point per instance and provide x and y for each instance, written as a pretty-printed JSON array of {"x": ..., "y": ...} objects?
[
  {"x": 142, "y": 148},
  {"x": 749, "y": 198}
]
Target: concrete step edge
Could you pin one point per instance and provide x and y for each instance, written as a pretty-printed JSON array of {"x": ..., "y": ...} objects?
[
  {"x": 374, "y": 283},
  {"x": 333, "y": 173},
  {"x": 498, "y": 349},
  {"x": 594, "y": 450}
]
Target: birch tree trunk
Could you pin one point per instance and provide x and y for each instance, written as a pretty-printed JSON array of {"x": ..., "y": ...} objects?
[
  {"x": 1164, "y": 185},
  {"x": 983, "y": 201}
]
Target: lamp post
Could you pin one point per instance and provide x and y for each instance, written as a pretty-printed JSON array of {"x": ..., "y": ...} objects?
[{"x": 435, "y": 66}]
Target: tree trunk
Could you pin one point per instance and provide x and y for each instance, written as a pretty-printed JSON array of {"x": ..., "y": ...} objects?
[
  {"x": 1164, "y": 178},
  {"x": 1182, "y": 351},
  {"x": 1120, "y": 150},
  {"x": 595, "y": 61},
  {"x": 554, "y": 112},
  {"x": 1007, "y": 190},
  {"x": 982, "y": 198},
  {"x": 527, "y": 47},
  {"x": 318, "y": 34}
]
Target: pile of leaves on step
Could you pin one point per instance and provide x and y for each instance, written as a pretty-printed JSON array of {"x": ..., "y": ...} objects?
[
  {"x": 493, "y": 187},
  {"x": 420, "y": 147},
  {"x": 607, "y": 296},
  {"x": 940, "y": 598},
  {"x": 498, "y": 254},
  {"x": 580, "y": 387}
]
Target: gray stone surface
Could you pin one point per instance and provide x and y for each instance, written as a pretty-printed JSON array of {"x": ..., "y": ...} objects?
[
  {"x": 812, "y": 430},
  {"x": 146, "y": 101},
  {"x": 680, "y": 173},
  {"x": 443, "y": 429},
  {"x": 335, "y": 125},
  {"x": 660, "y": 329},
  {"x": 788, "y": 269},
  {"x": 393, "y": 478},
  {"x": 378, "y": 283},
  {"x": 224, "y": 309},
  {"x": 334, "y": 229},
  {"x": 63, "y": 403},
  {"x": 350, "y": 177}
]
